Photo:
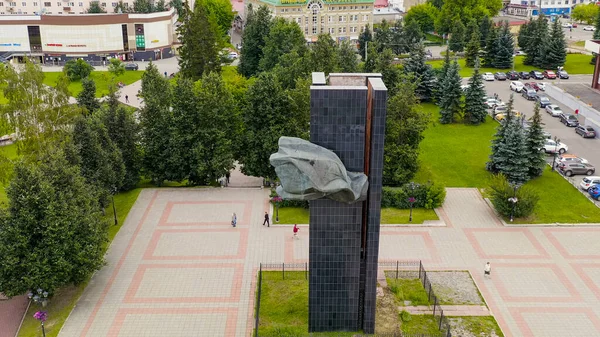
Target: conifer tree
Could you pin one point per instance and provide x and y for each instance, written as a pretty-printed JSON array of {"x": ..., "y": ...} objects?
[
  {"x": 347, "y": 57},
  {"x": 539, "y": 44},
  {"x": 457, "y": 37},
  {"x": 484, "y": 29},
  {"x": 389, "y": 72},
  {"x": 422, "y": 72},
  {"x": 505, "y": 48},
  {"x": 475, "y": 109},
  {"x": 256, "y": 31},
  {"x": 556, "y": 50},
  {"x": 364, "y": 39},
  {"x": 87, "y": 97},
  {"x": 450, "y": 104},
  {"x": 535, "y": 141},
  {"x": 441, "y": 77},
  {"x": 491, "y": 47},
  {"x": 472, "y": 50},
  {"x": 509, "y": 150}
]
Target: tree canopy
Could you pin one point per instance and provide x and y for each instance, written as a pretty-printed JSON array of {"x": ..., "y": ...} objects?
[
  {"x": 586, "y": 13},
  {"x": 424, "y": 14},
  {"x": 464, "y": 11}
]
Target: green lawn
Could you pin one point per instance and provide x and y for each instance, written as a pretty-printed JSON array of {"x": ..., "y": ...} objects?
[
  {"x": 298, "y": 215},
  {"x": 284, "y": 306},
  {"x": 455, "y": 155},
  {"x": 65, "y": 298},
  {"x": 478, "y": 325},
  {"x": 408, "y": 290},
  {"x": 579, "y": 44},
  {"x": 575, "y": 64},
  {"x": 102, "y": 79},
  {"x": 421, "y": 324}
]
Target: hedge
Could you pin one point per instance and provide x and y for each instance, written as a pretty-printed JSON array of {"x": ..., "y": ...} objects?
[{"x": 426, "y": 196}]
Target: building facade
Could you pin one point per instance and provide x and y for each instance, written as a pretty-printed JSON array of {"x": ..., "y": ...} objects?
[
  {"x": 92, "y": 37},
  {"x": 342, "y": 19},
  {"x": 549, "y": 7},
  {"x": 54, "y": 7}
]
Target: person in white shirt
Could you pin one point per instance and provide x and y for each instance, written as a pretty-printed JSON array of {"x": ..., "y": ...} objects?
[{"x": 487, "y": 270}]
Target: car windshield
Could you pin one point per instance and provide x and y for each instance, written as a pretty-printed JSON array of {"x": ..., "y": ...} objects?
[
  {"x": 572, "y": 117},
  {"x": 544, "y": 99},
  {"x": 556, "y": 108},
  {"x": 589, "y": 129},
  {"x": 587, "y": 180}
]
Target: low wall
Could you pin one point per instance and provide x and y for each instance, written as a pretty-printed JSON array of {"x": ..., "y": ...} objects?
[{"x": 587, "y": 115}]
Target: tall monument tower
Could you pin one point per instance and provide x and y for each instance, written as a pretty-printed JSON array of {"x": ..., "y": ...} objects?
[{"x": 347, "y": 117}]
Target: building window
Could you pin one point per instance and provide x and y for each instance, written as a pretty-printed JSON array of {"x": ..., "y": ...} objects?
[
  {"x": 58, "y": 4},
  {"x": 332, "y": 8},
  {"x": 13, "y": 4},
  {"x": 35, "y": 4},
  {"x": 306, "y": 20},
  {"x": 114, "y": 4},
  {"x": 331, "y": 30},
  {"x": 59, "y": 13},
  {"x": 1, "y": 4},
  {"x": 330, "y": 20},
  {"x": 23, "y": 4},
  {"x": 47, "y": 4},
  {"x": 81, "y": 4},
  {"x": 352, "y": 29},
  {"x": 298, "y": 20},
  {"x": 306, "y": 30},
  {"x": 314, "y": 20},
  {"x": 71, "y": 4},
  {"x": 314, "y": 30}
]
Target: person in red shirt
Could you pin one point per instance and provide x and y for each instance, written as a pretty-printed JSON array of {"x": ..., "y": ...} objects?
[{"x": 296, "y": 229}]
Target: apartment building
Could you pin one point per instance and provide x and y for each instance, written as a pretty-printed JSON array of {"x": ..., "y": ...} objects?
[
  {"x": 343, "y": 19},
  {"x": 532, "y": 7},
  {"x": 54, "y": 7}
]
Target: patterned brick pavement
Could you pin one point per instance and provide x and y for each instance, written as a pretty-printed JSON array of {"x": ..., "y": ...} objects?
[{"x": 178, "y": 268}]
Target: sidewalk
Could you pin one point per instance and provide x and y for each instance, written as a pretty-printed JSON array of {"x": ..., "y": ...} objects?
[{"x": 449, "y": 310}]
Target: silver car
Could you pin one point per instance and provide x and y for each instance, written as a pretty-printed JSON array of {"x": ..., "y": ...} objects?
[{"x": 554, "y": 110}]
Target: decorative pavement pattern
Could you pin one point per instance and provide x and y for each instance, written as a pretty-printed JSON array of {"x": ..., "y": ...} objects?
[{"x": 178, "y": 268}]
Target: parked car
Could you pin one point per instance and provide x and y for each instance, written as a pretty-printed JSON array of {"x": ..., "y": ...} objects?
[
  {"x": 543, "y": 100},
  {"x": 524, "y": 75},
  {"x": 491, "y": 103},
  {"x": 532, "y": 85},
  {"x": 549, "y": 74},
  {"x": 488, "y": 77},
  {"x": 520, "y": 52},
  {"x": 588, "y": 182},
  {"x": 585, "y": 131},
  {"x": 554, "y": 110},
  {"x": 131, "y": 66},
  {"x": 542, "y": 86},
  {"x": 500, "y": 109},
  {"x": 527, "y": 124},
  {"x": 567, "y": 25},
  {"x": 570, "y": 169},
  {"x": 550, "y": 146},
  {"x": 568, "y": 119},
  {"x": 233, "y": 55},
  {"x": 570, "y": 158},
  {"x": 500, "y": 116},
  {"x": 512, "y": 75},
  {"x": 500, "y": 76},
  {"x": 536, "y": 75},
  {"x": 562, "y": 74},
  {"x": 464, "y": 87},
  {"x": 516, "y": 86},
  {"x": 589, "y": 28},
  {"x": 529, "y": 94},
  {"x": 594, "y": 192}
]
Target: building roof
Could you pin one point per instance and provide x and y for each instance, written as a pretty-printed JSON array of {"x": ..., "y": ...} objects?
[
  {"x": 305, "y": 2},
  {"x": 238, "y": 6},
  {"x": 381, "y": 3}
]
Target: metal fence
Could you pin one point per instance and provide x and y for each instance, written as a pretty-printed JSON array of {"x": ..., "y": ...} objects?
[{"x": 395, "y": 269}]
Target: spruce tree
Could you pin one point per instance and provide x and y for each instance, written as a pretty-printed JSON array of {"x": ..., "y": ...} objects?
[
  {"x": 258, "y": 26},
  {"x": 371, "y": 55},
  {"x": 491, "y": 47},
  {"x": 540, "y": 41},
  {"x": 484, "y": 29},
  {"x": 87, "y": 97},
  {"x": 347, "y": 57},
  {"x": 525, "y": 35},
  {"x": 535, "y": 141},
  {"x": 457, "y": 37},
  {"x": 439, "y": 85},
  {"x": 364, "y": 39},
  {"x": 389, "y": 72},
  {"x": 556, "y": 51},
  {"x": 472, "y": 51},
  {"x": 450, "y": 105},
  {"x": 505, "y": 48},
  {"x": 422, "y": 72},
  {"x": 200, "y": 42},
  {"x": 475, "y": 109}
]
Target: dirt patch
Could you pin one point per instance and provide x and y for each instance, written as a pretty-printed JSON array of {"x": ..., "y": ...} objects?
[
  {"x": 455, "y": 288},
  {"x": 386, "y": 314}
]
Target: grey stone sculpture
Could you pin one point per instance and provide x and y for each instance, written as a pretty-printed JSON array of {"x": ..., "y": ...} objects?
[{"x": 308, "y": 172}]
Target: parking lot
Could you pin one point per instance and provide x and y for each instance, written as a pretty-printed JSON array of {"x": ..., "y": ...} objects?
[{"x": 588, "y": 148}]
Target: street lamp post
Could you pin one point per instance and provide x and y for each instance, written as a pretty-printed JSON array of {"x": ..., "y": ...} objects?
[
  {"x": 514, "y": 201},
  {"x": 40, "y": 298},
  {"x": 114, "y": 191},
  {"x": 411, "y": 200},
  {"x": 556, "y": 142},
  {"x": 276, "y": 201}
]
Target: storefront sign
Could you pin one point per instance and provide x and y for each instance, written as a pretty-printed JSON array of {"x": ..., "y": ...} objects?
[
  {"x": 154, "y": 41},
  {"x": 288, "y": 2},
  {"x": 10, "y": 45},
  {"x": 53, "y": 44},
  {"x": 67, "y": 45},
  {"x": 76, "y": 45}
]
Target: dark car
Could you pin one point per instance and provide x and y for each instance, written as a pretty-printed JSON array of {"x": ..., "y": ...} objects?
[
  {"x": 585, "y": 131},
  {"x": 500, "y": 76},
  {"x": 562, "y": 74},
  {"x": 543, "y": 100},
  {"x": 512, "y": 75},
  {"x": 569, "y": 119},
  {"x": 524, "y": 75},
  {"x": 529, "y": 94},
  {"x": 572, "y": 168},
  {"x": 536, "y": 74},
  {"x": 549, "y": 74},
  {"x": 131, "y": 66}
]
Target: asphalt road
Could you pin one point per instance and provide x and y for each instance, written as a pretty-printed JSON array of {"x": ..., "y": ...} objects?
[{"x": 588, "y": 148}]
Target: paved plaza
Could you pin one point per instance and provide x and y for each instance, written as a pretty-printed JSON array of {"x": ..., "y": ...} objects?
[{"x": 178, "y": 268}]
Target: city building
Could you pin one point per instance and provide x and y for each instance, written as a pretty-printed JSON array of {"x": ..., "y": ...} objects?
[
  {"x": 92, "y": 37},
  {"x": 60, "y": 7},
  {"x": 343, "y": 19},
  {"x": 528, "y": 8}
]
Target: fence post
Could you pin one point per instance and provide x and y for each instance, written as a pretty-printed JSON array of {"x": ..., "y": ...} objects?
[
  {"x": 441, "y": 318},
  {"x": 396, "y": 269},
  {"x": 434, "y": 305},
  {"x": 420, "y": 268},
  {"x": 429, "y": 298},
  {"x": 306, "y": 270},
  {"x": 283, "y": 270}
]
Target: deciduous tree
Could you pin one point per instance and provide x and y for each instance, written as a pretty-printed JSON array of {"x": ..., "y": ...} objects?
[
  {"x": 465, "y": 11},
  {"x": 284, "y": 36},
  {"x": 52, "y": 233},
  {"x": 348, "y": 57},
  {"x": 222, "y": 12},
  {"x": 585, "y": 13},
  {"x": 365, "y": 38},
  {"x": 116, "y": 67},
  {"x": 258, "y": 26},
  {"x": 325, "y": 55},
  {"x": 424, "y": 14},
  {"x": 389, "y": 71},
  {"x": 95, "y": 8},
  {"x": 77, "y": 69},
  {"x": 143, "y": 6}
]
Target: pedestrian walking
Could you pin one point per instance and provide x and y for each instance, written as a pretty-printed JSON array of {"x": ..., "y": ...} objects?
[
  {"x": 126, "y": 99},
  {"x": 296, "y": 229},
  {"x": 233, "y": 220},
  {"x": 495, "y": 96},
  {"x": 166, "y": 74},
  {"x": 576, "y": 112},
  {"x": 487, "y": 270},
  {"x": 266, "y": 220},
  {"x": 227, "y": 176}
]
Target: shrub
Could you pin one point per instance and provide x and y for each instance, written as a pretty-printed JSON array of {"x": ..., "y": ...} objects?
[
  {"x": 501, "y": 191},
  {"x": 427, "y": 195},
  {"x": 405, "y": 316},
  {"x": 77, "y": 69}
]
